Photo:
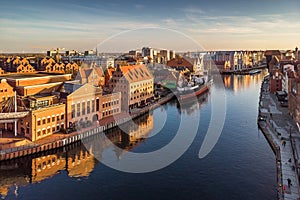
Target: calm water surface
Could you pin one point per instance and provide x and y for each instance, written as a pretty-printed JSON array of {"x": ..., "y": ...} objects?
[{"x": 240, "y": 166}]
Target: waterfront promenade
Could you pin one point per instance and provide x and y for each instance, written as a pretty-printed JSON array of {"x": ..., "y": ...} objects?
[{"x": 284, "y": 138}]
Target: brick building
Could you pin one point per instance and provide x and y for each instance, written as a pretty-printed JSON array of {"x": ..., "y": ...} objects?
[
  {"x": 46, "y": 116},
  {"x": 48, "y": 64},
  {"x": 85, "y": 104},
  {"x": 6, "y": 90},
  {"x": 136, "y": 84},
  {"x": 94, "y": 76},
  {"x": 37, "y": 83},
  {"x": 276, "y": 79},
  {"x": 182, "y": 63},
  {"x": 294, "y": 96}
]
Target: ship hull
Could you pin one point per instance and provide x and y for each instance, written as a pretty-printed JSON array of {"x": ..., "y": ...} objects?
[{"x": 199, "y": 91}]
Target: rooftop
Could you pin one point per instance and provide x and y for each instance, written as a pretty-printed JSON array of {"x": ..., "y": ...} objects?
[{"x": 29, "y": 75}]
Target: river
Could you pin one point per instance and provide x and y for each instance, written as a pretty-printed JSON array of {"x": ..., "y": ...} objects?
[{"x": 240, "y": 166}]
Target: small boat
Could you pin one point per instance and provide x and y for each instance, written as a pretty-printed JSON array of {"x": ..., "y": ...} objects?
[{"x": 255, "y": 71}]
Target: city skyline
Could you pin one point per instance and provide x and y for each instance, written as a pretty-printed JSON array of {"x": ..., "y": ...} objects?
[{"x": 38, "y": 26}]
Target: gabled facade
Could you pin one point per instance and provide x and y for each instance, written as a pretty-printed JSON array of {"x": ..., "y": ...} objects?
[
  {"x": 6, "y": 90},
  {"x": 92, "y": 76},
  {"x": 136, "y": 84}
]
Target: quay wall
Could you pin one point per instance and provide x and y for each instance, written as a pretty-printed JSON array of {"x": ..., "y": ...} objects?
[{"x": 274, "y": 146}]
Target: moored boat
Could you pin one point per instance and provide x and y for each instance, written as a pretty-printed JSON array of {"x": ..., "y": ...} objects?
[
  {"x": 192, "y": 88},
  {"x": 255, "y": 71}
]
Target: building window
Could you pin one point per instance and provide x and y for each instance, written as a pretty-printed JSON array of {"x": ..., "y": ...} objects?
[
  {"x": 57, "y": 127},
  {"x": 48, "y": 120},
  {"x": 48, "y": 130},
  {"x": 39, "y": 122},
  {"x": 39, "y": 133},
  {"x": 53, "y": 118},
  {"x": 93, "y": 105},
  {"x": 57, "y": 117},
  {"x": 97, "y": 104},
  {"x": 62, "y": 126},
  {"x": 62, "y": 116},
  {"x": 73, "y": 111},
  {"x": 78, "y": 109},
  {"x": 44, "y": 121},
  {"x": 44, "y": 132},
  {"x": 53, "y": 129},
  {"x": 88, "y": 109},
  {"x": 83, "y": 108}
]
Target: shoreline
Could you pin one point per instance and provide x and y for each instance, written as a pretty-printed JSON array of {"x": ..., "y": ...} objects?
[
  {"x": 286, "y": 167},
  {"x": 63, "y": 140},
  {"x": 243, "y": 71}
]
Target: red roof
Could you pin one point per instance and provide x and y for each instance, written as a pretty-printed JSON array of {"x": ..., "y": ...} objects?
[
  {"x": 272, "y": 53},
  {"x": 179, "y": 62}
]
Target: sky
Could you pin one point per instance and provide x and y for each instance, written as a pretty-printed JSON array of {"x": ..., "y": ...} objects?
[{"x": 118, "y": 26}]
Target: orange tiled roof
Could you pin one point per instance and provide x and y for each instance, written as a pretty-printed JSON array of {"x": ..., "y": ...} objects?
[{"x": 134, "y": 73}]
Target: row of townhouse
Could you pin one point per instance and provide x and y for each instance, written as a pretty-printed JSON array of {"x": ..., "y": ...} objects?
[{"x": 237, "y": 60}]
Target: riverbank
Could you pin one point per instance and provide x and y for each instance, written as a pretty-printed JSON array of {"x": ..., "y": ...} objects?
[
  {"x": 282, "y": 135},
  {"x": 60, "y": 140},
  {"x": 242, "y": 71}
]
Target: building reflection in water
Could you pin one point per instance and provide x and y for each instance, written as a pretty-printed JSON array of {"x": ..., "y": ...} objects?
[
  {"x": 190, "y": 107},
  {"x": 123, "y": 138},
  {"x": 242, "y": 82},
  {"x": 77, "y": 160}
]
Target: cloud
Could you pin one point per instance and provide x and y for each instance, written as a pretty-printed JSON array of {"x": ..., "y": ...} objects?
[{"x": 190, "y": 10}]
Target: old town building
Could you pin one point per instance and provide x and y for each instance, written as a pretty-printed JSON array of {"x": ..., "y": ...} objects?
[
  {"x": 294, "y": 96},
  {"x": 108, "y": 73},
  {"x": 136, "y": 84},
  {"x": 50, "y": 65},
  {"x": 93, "y": 75},
  {"x": 182, "y": 63},
  {"x": 85, "y": 104},
  {"x": 19, "y": 65},
  {"x": 6, "y": 90},
  {"x": 46, "y": 116}
]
